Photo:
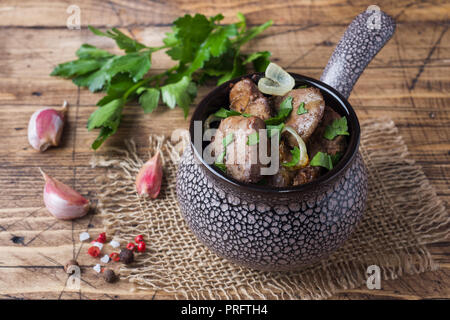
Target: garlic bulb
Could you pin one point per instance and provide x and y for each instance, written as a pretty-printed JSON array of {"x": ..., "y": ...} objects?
[
  {"x": 62, "y": 201},
  {"x": 45, "y": 127},
  {"x": 149, "y": 178}
]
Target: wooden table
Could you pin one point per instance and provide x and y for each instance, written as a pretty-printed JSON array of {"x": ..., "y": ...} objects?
[{"x": 409, "y": 81}]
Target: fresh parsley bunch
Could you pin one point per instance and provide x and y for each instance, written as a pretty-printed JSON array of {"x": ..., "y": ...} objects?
[{"x": 201, "y": 46}]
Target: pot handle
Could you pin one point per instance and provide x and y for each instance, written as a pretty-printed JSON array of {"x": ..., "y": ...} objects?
[{"x": 362, "y": 40}]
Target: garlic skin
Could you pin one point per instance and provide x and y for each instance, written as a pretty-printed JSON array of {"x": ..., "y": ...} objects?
[
  {"x": 62, "y": 201},
  {"x": 45, "y": 127},
  {"x": 149, "y": 178}
]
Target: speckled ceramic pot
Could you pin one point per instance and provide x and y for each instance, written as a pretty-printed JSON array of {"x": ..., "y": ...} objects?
[{"x": 285, "y": 228}]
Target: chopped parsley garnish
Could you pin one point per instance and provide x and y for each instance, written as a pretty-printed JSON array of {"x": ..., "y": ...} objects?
[
  {"x": 322, "y": 160},
  {"x": 283, "y": 113},
  {"x": 274, "y": 129},
  {"x": 337, "y": 128},
  {"x": 301, "y": 109},
  {"x": 253, "y": 138},
  {"x": 220, "y": 158},
  {"x": 227, "y": 140},
  {"x": 221, "y": 166},
  {"x": 335, "y": 158},
  {"x": 225, "y": 113},
  {"x": 295, "y": 158}
]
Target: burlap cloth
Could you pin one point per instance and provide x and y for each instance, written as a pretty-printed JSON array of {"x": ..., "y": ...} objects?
[{"x": 403, "y": 214}]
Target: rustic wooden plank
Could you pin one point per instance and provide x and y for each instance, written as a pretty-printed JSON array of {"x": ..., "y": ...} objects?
[{"x": 47, "y": 13}]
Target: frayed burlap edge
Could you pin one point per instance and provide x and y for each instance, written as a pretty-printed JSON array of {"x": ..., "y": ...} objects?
[{"x": 403, "y": 215}]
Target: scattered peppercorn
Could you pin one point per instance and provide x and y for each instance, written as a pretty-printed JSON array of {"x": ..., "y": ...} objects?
[
  {"x": 126, "y": 256},
  {"x": 131, "y": 246},
  {"x": 139, "y": 238},
  {"x": 68, "y": 264},
  {"x": 141, "y": 246},
  {"x": 101, "y": 237},
  {"x": 114, "y": 256},
  {"x": 109, "y": 276},
  {"x": 94, "y": 251}
]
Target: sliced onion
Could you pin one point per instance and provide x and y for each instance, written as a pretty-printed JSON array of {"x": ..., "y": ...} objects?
[
  {"x": 268, "y": 86},
  {"x": 276, "y": 73},
  {"x": 303, "y": 161},
  {"x": 277, "y": 81}
]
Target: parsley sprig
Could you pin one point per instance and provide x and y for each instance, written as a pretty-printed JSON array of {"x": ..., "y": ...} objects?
[{"x": 202, "y": 48}]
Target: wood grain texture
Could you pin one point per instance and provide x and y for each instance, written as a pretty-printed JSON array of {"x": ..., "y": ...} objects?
[{"x": 409, "y": 81}]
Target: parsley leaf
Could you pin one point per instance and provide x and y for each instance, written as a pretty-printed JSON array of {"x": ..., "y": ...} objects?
[
  {"x": 107, "y": 118},
  {"x": 337, "y": 128},
  {"x": 148, "y": 99},
  {"x": 116, "y": 88},
  {"x": 179, "y": 93},
  {"x": 189, "y": 33},
  {"x": 136, "y": 64},
  {"x": 283, "y": 113},
  {"x": 96, "y": 80},
  {"x": 227, "y": 140},
  {"x": 295, "y": 158},
  {"x": 253, "y": 139},
  {"x": 275, "y": 129},
  {"x": 322, "y": 160},
  {"x": 221, "y": 165},
  {"x": 86, "y": 51},
  {"x": 77, "y": 67},
  {"x": 301, "y": 109},
  {"x": 260, "y": 60},
  {"x": 123, "y": 41},
  {"x": 335, "y": 158},
  {"x": 225, "y": 113}
]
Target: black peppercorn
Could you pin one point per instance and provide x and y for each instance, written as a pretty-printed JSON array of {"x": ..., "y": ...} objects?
[
  {"x": 109, "y": 276},
  {"x": 69, "y": 264},
  {"x": 126, "y": 256}
]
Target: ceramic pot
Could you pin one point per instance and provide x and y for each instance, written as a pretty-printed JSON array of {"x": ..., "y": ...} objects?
[{"x": 285, "y": 228}]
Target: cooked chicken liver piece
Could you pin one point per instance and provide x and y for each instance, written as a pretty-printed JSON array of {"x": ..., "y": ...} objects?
[
  {"x": 241, "y": 160},
  {"x": 306, "y": 123},
  {"x": 305, "y": 175},
  {"x": 283, "y": 178},
  {"x": 245, "y": 97},
  {"x": 318, "y": 143}
]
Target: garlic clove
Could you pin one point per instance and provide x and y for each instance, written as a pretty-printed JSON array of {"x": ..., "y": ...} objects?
[
  {"x": 45, "y": 127},
  {"x": 62, "y": 201},
  {"x": 149, "y": 178}
]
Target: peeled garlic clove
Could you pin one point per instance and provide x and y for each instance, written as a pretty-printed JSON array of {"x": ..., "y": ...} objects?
[
  {"x": 62, "y": 201},
  {"x": 45, "y": 127},
  {"x": 148, "y": 180}
]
